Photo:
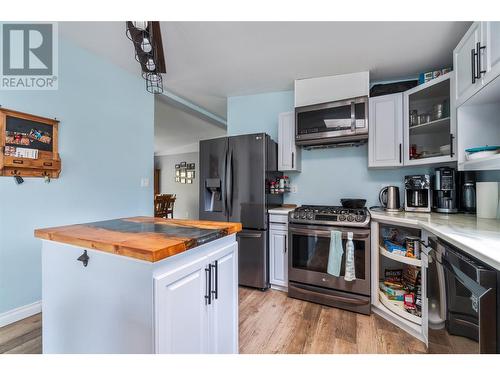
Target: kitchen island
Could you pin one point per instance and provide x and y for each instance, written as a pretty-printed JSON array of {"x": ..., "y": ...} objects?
[{"x": 140, "y": 285}]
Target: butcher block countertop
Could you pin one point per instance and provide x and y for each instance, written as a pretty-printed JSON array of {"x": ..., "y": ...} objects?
[{"x": 147, "y": 238}]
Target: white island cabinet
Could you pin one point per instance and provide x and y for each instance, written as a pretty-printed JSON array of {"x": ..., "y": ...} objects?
[{"x": 118, "y": 300}]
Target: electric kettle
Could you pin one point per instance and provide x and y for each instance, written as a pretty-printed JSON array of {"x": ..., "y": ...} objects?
[{"x": 389, "y": 198}]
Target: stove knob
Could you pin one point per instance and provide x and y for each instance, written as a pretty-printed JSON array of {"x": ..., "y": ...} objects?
[
  {"x": 342, "y": 217},
  {"x": 310, "y": 216},
  {"x": 303, "y": 215},
  {"x": 359, "y": 218},
  {"x": 350, "y": 218}
]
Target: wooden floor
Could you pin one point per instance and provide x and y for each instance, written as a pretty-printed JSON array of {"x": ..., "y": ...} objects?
[
  {"x": 270, "y": 322},
  {"x": 24, "y": 336}
]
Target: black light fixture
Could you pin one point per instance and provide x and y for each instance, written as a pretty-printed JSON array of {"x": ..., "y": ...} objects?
[{"x": 146, "y": 36}]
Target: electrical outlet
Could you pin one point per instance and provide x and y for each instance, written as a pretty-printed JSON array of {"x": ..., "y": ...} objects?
[
  {"x": 293, "y": 188},
  {"x": 145, "y": 182}
]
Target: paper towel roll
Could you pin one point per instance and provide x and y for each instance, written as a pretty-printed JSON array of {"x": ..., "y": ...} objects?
[{"x": 487, "y": 199}]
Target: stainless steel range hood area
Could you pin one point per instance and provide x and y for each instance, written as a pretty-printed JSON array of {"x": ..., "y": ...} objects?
[
  {"x": 339, "y": 123},
  {"x": 332, "y": 111}
]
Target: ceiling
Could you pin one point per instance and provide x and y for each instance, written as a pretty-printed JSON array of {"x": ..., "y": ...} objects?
[
  {"x": 209, "y": 61},
  {"x": 178, "y": 131}
]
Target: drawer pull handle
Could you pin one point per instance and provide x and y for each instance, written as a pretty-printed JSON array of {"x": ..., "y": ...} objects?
[
  {"x": 84, "y": 258},
  {"x": 17, "y": 161},
  {"x": 47, "y": 164}
]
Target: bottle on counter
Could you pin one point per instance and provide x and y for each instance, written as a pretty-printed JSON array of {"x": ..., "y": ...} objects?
[{"x": 281, "y": 185}]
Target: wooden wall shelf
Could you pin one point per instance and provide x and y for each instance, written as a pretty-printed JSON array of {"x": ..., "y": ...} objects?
[{"x": 22, "y": 133}]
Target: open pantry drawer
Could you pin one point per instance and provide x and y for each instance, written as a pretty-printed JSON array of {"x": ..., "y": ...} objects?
[{"x": 399, "y": 272}]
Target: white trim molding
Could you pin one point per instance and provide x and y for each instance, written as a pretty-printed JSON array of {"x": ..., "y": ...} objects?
[{"x": 20, "y": 313}]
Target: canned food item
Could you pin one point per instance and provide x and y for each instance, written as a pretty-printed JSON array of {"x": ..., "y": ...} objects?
[{"x": 413, "y": 247}]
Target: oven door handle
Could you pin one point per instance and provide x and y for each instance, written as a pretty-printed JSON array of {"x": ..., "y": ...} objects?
[{"x": 324, "y": 233}]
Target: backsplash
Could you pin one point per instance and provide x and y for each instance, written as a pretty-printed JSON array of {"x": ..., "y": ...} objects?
[{"x": 327, "y": 174}]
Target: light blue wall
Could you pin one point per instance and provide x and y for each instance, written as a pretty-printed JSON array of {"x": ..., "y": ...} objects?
[
  {"x": 327, "y": 174},
  {"x": 106, "y": 146},
  {"x": 257, "y": 113}
]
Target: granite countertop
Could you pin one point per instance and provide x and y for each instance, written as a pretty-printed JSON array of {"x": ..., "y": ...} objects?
[
  {"x": 477, "y": 237},
  {"x": 281, "y": 210},
  {"x": 146, "y": 238}
]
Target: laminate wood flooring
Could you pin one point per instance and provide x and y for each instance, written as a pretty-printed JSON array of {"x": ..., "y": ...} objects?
[{"x": 270, "y": 322}]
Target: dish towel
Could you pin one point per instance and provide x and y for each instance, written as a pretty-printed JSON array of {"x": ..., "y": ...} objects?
[
  {"x": 350, "y": 271},
  {"x": 335, "y": 254}
]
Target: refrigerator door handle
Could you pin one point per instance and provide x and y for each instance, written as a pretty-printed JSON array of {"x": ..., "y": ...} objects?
[
  {"x": 229, "y": 183},
  {"x": 224, "y": 185}
]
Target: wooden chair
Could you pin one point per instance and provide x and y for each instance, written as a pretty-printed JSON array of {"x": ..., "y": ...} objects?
[{"x": 164, "y": 205}]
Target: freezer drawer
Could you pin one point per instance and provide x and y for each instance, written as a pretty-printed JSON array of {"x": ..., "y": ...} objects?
[{"x": 253, "y": 258}]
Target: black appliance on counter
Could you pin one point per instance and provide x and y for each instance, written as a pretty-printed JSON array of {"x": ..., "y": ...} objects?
[
  {"x": 445, "y": 199},
  {"x": 418, "y": 193},
  {"x": 234, "y": 176},
  {"x": 467, "y": 192},
  {"x": 309, "y": 234},
  {"x": 470, "y": 298}
]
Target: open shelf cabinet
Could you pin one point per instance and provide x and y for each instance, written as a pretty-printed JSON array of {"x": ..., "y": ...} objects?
[{"x": 383, "y": 260}]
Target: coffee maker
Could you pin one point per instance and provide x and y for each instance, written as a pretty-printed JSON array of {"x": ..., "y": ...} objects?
[
  {"x": 418, "y": 193},
  {"x": 445, "y": 190},
  {"x": 467, "y": 192}
]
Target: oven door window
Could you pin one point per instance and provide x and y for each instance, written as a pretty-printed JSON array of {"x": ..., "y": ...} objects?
[{"x": 311, "y": 253}]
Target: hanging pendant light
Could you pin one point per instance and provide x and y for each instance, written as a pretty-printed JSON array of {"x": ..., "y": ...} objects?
[
  {"x": 146, "y": 36},
  {"x": 150, "y": 65},
  {"x": 154, "y": 83},
  {"x": 140, "y": 25},
  {"x": 146, "y": 45}
]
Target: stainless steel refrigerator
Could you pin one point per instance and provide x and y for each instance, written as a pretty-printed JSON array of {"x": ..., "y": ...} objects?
[{"x": 234, "y": 186}]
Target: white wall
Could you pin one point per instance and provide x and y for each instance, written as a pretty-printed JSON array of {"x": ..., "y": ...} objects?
[{"x": 187, "y": 202}]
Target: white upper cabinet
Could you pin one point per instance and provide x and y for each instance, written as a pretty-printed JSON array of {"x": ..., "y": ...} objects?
[
  {"x": 318, "y": 90},
  {"x": 385, "y": 141},
  {"x": 491, "y": 42},
  {"x": 429, "y": 122},
  {"x": 289, "y": 156},
  {"x": 476, "y": 59},
  {"x": 464, "y": 64}
]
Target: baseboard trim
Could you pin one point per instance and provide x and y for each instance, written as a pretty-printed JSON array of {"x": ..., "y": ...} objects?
[{"x": 20, "y": 313}]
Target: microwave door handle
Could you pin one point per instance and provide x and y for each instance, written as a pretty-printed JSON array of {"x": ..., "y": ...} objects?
[{"x": 353, "y": 117}]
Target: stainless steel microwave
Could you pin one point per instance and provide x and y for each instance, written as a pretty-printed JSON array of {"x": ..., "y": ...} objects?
[{"x": 340, "y": 122}]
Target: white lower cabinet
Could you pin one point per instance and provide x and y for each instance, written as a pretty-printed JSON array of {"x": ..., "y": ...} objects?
[
  {"x": 182, "y": 312},
  {"x": 197, "y": 306},
  {"x": 278, "y": 256},
  {"x": 223, "y": 310}
]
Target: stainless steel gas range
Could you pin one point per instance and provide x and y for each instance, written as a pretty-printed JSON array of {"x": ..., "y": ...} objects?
[{"x": 309, "y": 233}]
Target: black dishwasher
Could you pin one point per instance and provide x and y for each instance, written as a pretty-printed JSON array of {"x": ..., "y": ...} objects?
[{"x": 470, "y": 298}]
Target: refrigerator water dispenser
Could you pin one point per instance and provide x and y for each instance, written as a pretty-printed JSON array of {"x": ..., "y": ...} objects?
[{"x": 213, "y": 195}]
